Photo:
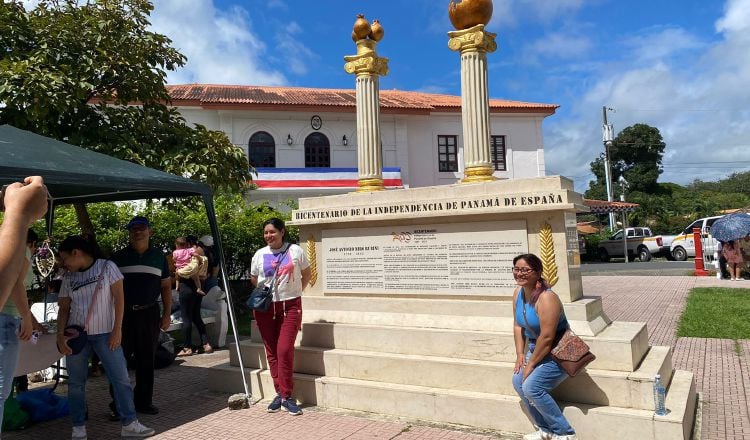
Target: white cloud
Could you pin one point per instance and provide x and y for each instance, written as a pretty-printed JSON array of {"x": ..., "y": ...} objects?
[
  {"x": 547, "y": 10},
  {"x": 694, "y": 92},
  {"x": 658, "y": 44},
  {"x": 736, "y": 19},
  {"x": 296, "y": 55},
  {"x": 220, "y": 45},
  {"x": 560, "y": 45}
]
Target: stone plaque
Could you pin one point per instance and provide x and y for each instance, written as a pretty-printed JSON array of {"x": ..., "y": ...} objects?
[{"x": 440, "y": 259}]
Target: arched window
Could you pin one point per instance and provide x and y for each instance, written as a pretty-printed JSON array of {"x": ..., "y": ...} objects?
[
  {"x": 317, "y": 151},
  {"x": 261, "y": 150}
]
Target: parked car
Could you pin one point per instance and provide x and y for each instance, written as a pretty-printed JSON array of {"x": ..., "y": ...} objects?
[
  {"x": 641, "y": 244},
  {"x": 683, "y": 245}
]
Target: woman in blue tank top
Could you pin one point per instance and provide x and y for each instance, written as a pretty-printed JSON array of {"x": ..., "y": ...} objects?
[{"x": 539, "y": 318}]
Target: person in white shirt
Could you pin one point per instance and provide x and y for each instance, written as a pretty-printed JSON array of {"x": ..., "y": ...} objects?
[
  {"x": 92, "y": 298},
  {"x": 22, "y": 204},
  {"x": 280, "y": 324}
]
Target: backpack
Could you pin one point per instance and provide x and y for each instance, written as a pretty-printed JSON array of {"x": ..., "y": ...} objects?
[{"x": 14, "y": 417}]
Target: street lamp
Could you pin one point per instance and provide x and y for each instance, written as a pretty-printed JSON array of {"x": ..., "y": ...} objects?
[{"x": 623, "y": 186}]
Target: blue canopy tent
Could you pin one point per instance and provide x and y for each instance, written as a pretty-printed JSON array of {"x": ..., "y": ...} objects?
[{"x": 76, "y": 175}]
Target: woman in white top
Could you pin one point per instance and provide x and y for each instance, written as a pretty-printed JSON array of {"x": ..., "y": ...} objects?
[
  {"x": 280, "y": 324},
  {"x": 92, "y": 297}
]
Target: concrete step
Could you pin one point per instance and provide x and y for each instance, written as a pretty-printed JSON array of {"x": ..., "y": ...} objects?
[
  {"x": 492, "y": 314},
  {"x": 476, "y": 409},
  {"x": 596, "y": 387},
  {"x": 620, "y": 347}
]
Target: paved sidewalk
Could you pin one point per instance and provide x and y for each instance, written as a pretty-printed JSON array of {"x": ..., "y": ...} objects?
[
  {"x": 721, "y": 367},
  {"x": 189, "y": 410}
]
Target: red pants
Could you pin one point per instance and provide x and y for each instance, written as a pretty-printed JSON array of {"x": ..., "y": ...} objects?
[{"x": 278, "y": 328}]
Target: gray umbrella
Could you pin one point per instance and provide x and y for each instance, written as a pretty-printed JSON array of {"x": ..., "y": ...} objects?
[{"x": 731, "y": 227}]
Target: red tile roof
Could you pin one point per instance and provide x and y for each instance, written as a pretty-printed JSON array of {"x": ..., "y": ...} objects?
[
  {"x": 604, "y": 207},
  {"x": 302, "y": 98}
]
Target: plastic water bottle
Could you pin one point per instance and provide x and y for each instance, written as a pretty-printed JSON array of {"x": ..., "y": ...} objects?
[{"x": 660, "y": 393}]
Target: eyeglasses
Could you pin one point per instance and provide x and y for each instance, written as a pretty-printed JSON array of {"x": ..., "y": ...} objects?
[{"x": 522, "y": 270}]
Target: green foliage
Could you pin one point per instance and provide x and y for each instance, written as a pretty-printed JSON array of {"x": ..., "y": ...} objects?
[
  {"x": 636, "y": 155},
  {"x": 69, "y": 69},
  {"x": 716, "y": 313},
  {"x": 240, "y": 225},
  {"x": 736, "y": 183}
]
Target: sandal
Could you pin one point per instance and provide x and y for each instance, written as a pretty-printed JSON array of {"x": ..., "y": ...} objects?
[
  {"x": 185, "y": 352},
  {"x": 207, "y": 349}
]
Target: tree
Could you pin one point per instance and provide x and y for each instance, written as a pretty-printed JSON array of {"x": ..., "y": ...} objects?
[
  {"x": 92, "y": 74},
  {"x": 597, "y": 188},
  {"x": 636, "y": 155},
  {"x": 240, "y": 226}
]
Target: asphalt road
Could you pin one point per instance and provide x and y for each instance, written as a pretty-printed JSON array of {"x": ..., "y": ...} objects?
[{"x": 653, "y": 267}]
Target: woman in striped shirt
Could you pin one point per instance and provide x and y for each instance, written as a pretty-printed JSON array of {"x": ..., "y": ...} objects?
[{"x": 92, "y": 297}]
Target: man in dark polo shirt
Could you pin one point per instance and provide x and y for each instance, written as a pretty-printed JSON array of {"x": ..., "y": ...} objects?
[{"x": 146, "y": 277}]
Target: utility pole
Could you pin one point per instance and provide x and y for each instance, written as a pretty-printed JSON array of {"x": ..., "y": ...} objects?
[
  {"x": 608, "y": 137},
  {"x": 623, "y": 183}
]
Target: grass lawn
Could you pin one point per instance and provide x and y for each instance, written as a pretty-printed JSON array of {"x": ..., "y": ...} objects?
[{"x": 716, "y": 312}]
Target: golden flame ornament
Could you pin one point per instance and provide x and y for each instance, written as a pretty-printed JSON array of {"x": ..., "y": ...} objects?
[
  {"x": 547, "y": 254},
  {"x": 312, "y": 259},
  {"x": 44, "y": 259}
]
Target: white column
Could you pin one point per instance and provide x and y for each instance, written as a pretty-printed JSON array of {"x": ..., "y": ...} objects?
[
  {"x": 369, "y": 149},
  {"x": 475, "y": 109},
  {"x": 473, "y": 45}
]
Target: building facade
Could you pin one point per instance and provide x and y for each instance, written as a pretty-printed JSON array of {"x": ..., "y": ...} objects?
[{"x": 314, "y": 131}]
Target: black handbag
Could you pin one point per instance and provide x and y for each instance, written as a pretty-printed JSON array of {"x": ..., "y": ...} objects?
[
  {"x": 261, "y": 297},
  {"x": 76, "y": 338}
]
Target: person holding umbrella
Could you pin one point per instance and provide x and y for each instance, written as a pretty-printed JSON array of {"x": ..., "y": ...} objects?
[
  {"x": 733, "y": 255},
  {"x": 729, "y": 230}
]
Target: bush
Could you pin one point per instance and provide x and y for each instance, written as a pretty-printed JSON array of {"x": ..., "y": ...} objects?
[{"x": 240, "y": 225}]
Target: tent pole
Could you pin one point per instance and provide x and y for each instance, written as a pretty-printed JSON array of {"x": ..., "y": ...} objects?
[
  {"x": 50, "y": 220},
  {"x": 209, "y": 203}
]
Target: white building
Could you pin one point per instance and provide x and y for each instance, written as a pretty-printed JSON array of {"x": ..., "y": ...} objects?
[{"x": 311, "y": 129}]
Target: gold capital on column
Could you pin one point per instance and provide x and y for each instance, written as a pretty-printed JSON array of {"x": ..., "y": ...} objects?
[
  {"x": 366, "y": 61},
  {"x": 473, "y": 39}
]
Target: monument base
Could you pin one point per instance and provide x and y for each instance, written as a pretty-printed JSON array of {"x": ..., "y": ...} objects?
[{"x": 411, "y": 314}]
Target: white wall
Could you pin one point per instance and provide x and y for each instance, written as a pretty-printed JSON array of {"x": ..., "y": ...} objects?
[{"x": 409, "y": 141}]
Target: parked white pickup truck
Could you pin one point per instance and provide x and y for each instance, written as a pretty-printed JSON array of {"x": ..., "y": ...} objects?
[
  {"x": 641, "y": 243},
  {"x": 683, "y": 246}
]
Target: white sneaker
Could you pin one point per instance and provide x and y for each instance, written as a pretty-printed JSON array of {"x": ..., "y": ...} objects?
[
  {"x": 564, "y": 437},
  {"x": 538, "y": 435},
  {"x": 136, "y": 430},
  {"x": 79, "y": 433}
]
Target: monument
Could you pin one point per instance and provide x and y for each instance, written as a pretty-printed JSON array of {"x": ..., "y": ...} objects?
[{"x": 409, "y": 310}]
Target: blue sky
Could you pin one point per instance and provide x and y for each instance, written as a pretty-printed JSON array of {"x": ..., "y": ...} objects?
[{"x": 682, "y": 66}]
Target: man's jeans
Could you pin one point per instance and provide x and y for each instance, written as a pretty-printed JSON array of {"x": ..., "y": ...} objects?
[
  {"x": 116, "y": 371},
  {"x": 8, "y": 356},
  {"x": 534, "y": 392}
]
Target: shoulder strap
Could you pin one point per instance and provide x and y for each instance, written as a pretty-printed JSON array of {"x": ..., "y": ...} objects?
[
  {"x": 527, "y": 322},
  {"x": 279, "y": 260},
  {"x": 96, "y": 291}
]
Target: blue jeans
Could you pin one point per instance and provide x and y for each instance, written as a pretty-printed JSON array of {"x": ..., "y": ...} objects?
[
  {"x": 116, "y": 370},
  {"x": 8, "y": 356},
  {"x": 534, "y": 392}
]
